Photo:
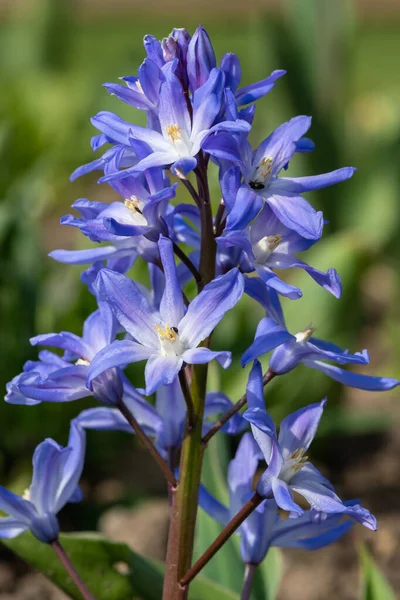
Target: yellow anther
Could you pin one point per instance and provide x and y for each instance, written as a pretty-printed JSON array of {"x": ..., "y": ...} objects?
[
  {"x": 300, "y": 459},
  {"x": 27, "y": 494},
  {"x": 265, "y": 166},
  {"x": 174, "y": 132},
  {"x": 133, "y": 204},
  {"x": 168, "y": 333},
  {"x": 305, "y": 335},
  {"x": 274, "y": 241}
]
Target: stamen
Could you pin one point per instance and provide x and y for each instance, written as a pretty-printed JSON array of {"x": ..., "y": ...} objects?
[
  {"x": 133, "y": 204},
  {"x": 168, "y": 333},
  {"x": 174, "y": 132},
  {"x": 262, "y": 174},
  {"x": 265, "y": 167},
  {"x": 27, "y": 494},
  {"x": 82, "y": 362},
  {"x": 299, "y": 458},
  {"x": 304, "y": 336},
  {"x": 139, "y": 87}
]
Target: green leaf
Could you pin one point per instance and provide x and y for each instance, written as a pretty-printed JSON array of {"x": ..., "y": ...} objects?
[
  {"x": 109, "y": 569},
  {"x": 375, "y": 585}
]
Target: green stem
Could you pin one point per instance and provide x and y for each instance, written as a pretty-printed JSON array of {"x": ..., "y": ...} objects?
[
  {"x": 185, "y": 498},
  {"x": 184, "y": 507}
]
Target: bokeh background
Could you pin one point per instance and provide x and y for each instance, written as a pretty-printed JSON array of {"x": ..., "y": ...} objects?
[{"x": 342, "y": 63}]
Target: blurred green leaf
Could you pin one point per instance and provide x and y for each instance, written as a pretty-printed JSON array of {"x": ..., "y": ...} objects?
[
  {"x": 374, "y": 585},
  {"x": 109, "y": 569}
]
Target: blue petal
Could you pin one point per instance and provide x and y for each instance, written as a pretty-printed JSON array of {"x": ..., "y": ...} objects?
[
  {"x": 72, "y": 468},
  {"x": 267, "y": 297},
  {"x": 241, "y": 472},
  {"x": 213, "y": 507},
  {"x": 161, "y": 370},
  {"x": 200, "y": 58},
  {"x": 255, "y": 388},
  {"x": 207, "y": 102},
  {"x": 269, "y": 335},
  {"x": 297, "y": 214},
  {"x": 171, "y": 407},
  {"x": 330, "y": 280},
  {"x": 210, "y": 306},
  {"x": 172, "y": 307},
  {"x": 284, "y": 497},
  {"x": 49, "y": 461},
  {"x": 83, "y": 257},
  {"x": 129, "y": 306},
  {"x": 298, "y": 430},
  {"x": 201, "y": 355},
  {"x": 66, "y": 341},
  {"x": 299, "y": 185},
  {"x": 16, "y": 507},
  {"x": 247, "y": 206},
  {"x": 255, "y": 91},
  {"x": 272, "y": 280},
  {"x": 10, "y": 527},
  {"x": 184, "y": 165},
  {"x": 103, "y": 419},
  {"x": 230, "y": 65},
  {"x": 361, "y": 382},
  {"x": 223, "y": 146},
  {"x": 117, "y": 354}
]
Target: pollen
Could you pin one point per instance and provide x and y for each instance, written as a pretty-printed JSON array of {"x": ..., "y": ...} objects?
[
  {"x": 265, "y": 167},
  {"x": 273, "y": 241},
  {"x": 305, "y": 335},
  {"x": 82, "y": 362},
  {"x": 133, "y": 204},
  {"x": 27, "y": 494},
  {"x": 300, "y": 459},
  {"x": 174, "y": 132},
  {"x": 168, "y": 333}
]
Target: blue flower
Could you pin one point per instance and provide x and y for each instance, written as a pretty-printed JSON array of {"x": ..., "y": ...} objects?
[
  {"x": 264, "y": 527},
  {"x": 268, "y": 244},
  {"x": 56, "y": 473},
  {"x": 291, "y": 350},
  {"x": 261, "y": 182},
  {"x": 181, "y": 137},
  {"x": 167, "y": 338},
  {"x": 56, "y": 379},
  {"x": 289, "y": 470},
  {"x": 165, "y": 422}
]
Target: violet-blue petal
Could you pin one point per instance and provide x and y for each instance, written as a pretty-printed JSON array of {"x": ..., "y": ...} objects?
[
  {"x": 223, "y": 146},
  {"x": 184, "y": 165},
  {"x": 297, "y": 214},
  {"x": 230, "y": 65},
  {"x": 48, "y": 463},
  {"x": 15, "y": 506},
  {"x": 83, "y": 257},
  {"x": 267, "y": 297},
  {"x": 268, "y": 336},
  {"x": 172, "y": 307},
  {"x": 255, "y": 388},
  {"x": 330, "y": 280},
  {"x": 284, "y": 497},
  {"x": 72, "y": 467},
  {"x": 64, "y": 340},
  {"x": 356, "y": 380},
  {"x": 161, "y": 370},
  {"x": 210, "y": 306},
  {"x": 171, "y": 407},
  {"x": 299, "y": 185},
  {"x": 129, "y": 306},
  {"x": 254, "y": 91},
  {"x": 202, "y": 355},
  {"x": 102, "y": 418},
  {"x": 271, "y": 279},
  {"x": 246, "y": 207},
  {"x": 117, "y": 354},
  {"x": 10, "y": 527},
  {"x": 299, "y": 428},
  {"x": 200, "y": 58},
  {"x": 213, "y": 507}
]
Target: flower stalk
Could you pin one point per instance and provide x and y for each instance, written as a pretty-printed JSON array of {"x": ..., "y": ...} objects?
[{"x": 72, "y": 572}]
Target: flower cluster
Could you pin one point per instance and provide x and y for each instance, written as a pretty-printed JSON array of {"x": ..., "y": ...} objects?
[{"x": 198, "y": 115}]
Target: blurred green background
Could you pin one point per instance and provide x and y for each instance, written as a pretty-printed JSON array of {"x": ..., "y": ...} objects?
[{"x": 342, "y": 63}]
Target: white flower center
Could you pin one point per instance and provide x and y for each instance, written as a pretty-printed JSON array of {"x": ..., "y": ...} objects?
[
  {"x": 169, "y": 341},
  {"x": 304, "y": 336},
  {"x": 82, "y": 362},
  {"x": 265, "y": 247},
  {"x": 135, "y": 206},
  {"x": 293, "y": 465},
  {"x": 179, "y": 139},
  {"x": 261, "y": 174}
]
